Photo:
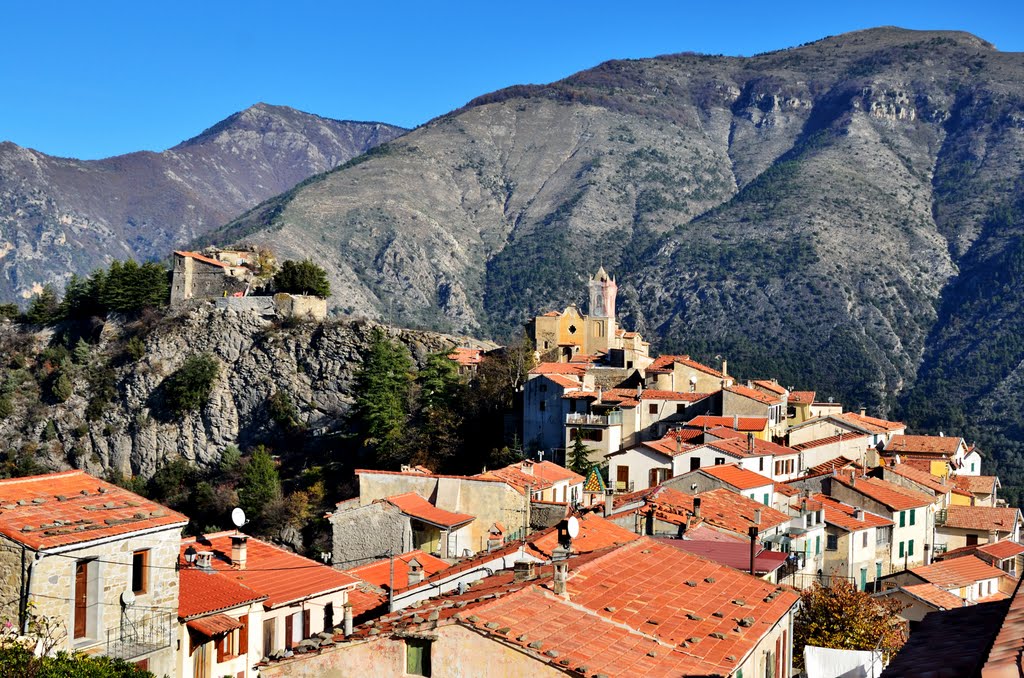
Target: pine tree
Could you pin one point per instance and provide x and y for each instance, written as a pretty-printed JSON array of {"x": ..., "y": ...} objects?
[
  {"x": 579, "y": 459},
  {"x": 302, "y": 277},
  {"x": 81, "y": 352},
  {"x": 382, "y": 402},
  {"x": 44, "y": 308},
  {"x": 260, "y": 485}
]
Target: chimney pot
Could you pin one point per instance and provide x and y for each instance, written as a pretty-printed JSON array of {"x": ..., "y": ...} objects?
[
  {"x": 415, "y": 572},
  {"x": 348, "y": 619},
  {"x": 696, "y": 507},
  {"x": 522, "y": 571},
  {"x": 863, "y": 411},
  {"x": 608, "y": 503},
  {"x": 757, "y": 517}
]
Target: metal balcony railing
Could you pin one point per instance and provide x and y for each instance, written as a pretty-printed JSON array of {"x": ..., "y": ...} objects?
[
  {"x": 623, "y": 485},
  {"x": 940, "y": 517},
  {"x": 141, "y": 631},
  {"x": 609, "y": 419}
]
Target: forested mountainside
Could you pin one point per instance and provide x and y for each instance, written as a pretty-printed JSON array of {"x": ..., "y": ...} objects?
[
  {"x": 844, "y": 215},
  {"x": 60, "y": 216}
]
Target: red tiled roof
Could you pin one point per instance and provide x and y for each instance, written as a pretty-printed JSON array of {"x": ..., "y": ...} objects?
[
  {"x": 735, "y": 554},
  {"x": 563, "y": 381},
  {"x": 724, "y": 432},
  {"x": 957, "y": 571},
  {"x": 981, "y": 518},
  {"x": 753, "y": 394},
  {"x": 580, "y": 395},
  {"x": 663, "y": 364},
  {"x": 739, "y": 447},
  {"x": 671, "y": 445},
  {"x": 769, "y": 385},
  {"x": 59, "y": 509},
  {"x": 944, "y": 445},
  {"x": 657, "y": 394},
  {"x": 681, "y": 600},
  {"x": 737, "y": 476},
  {"x": 923, "y": 478},
  {"x": 835, "y": 464},
  {"x": 992, "y": 597},
  {"x": 379, "y": 572},
  {"x": 738, "y": 423},
  {"x": 821, "y": 442},
  {"x": 720, "y": 508},
  {"x": 552, "y": 314},
  {"x": 869, "y": 424},
  {"x": 1001, "y": 550},
  {"x": 596, "y": 533},
  {"x": 366, "y": 600},
  {"x": 1006, "y": 656},
  {"x": 842, "y": 515},
  {"x": 419, "y": 508},
  {"x": 214, "y": 625},
  {"x": 934, "y": 596},
  {"x": 200, "y": 257},
  {"x": 466, "y": 357},
  {"x": 560, "y": 368},
  {"x": 201, "y": 592},
  {"x": 517, "y": 478},
  {"x": 282, "y": 576},
  {"x": 786, "y": 490},
  {"x": 890, "y": 495},
  {"x": 801, "y": 397},
  {"x": 554, "y": 473},
  {"x": 976, "y": 484}
]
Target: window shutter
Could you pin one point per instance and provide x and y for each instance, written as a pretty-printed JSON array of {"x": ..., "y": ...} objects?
[
  {"x": 243, "y": 637},
  {"x": 288, "y": 622},
  {"x": 306, "y": 624},
  {"x": 220, "y": 649}
]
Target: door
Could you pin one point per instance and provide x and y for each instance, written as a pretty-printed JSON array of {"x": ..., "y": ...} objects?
[
  {"x": 81, "y": 597},
  {"x": 622, "y": 478}
]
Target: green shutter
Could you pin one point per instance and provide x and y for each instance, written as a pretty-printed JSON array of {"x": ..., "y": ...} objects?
[
  {"x": 901, "y": 549},
  {"x": 817, "y": 545},
  {"x": 903, "y": 518},
  {"x": 912, "y": 516},
  {"x": 910, "y": 548}
]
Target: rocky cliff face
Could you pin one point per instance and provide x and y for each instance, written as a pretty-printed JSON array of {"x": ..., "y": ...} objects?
[
  {"x": 60, "y": 216},
  {"x": 314, "y": 363}
]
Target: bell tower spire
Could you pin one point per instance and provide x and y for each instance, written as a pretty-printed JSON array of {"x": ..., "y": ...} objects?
[{"x": 602, "y": 289}]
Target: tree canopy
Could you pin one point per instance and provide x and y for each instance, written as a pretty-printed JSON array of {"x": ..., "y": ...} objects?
[
  {"x": 189, "y": 387},
  {"x": 382, "y": 402},
  {"x": 579, "y": 455},
  {"x": 302, "y": 277}
]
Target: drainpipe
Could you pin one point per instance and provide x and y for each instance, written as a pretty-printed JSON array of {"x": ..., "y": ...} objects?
[{"x": 28, "y": 587}]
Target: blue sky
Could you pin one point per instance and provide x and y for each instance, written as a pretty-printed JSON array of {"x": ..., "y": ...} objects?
[{"x": 96, "y": 79}]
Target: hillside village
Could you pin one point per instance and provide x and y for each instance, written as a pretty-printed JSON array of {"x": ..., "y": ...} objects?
[{"x": 664, "y": 521}]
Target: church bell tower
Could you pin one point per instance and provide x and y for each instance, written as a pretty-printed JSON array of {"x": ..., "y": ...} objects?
[{"x": 602, "y": 295}]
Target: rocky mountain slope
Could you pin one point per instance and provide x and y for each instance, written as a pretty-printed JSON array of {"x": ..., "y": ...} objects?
[
  {"x": 257, "y": 355},
  {"x": 845, "y": 215},
  {"x": 60, "y": 216}
]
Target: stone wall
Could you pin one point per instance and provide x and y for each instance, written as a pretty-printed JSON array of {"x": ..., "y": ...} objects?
[
  {"x": 12, "y": 574},
  {"x": 362, "y": 534},
  {"x": 301, "y": 306}
]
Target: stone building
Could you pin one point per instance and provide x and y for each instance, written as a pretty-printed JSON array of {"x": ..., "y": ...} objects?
[
  {"x": 97, "y": 559},
  {"x": 215, "y": 274},
  {"x": 562, "y": 336}
]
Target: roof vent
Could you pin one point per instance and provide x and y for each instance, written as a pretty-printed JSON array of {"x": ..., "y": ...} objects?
[{"x": 204, "y": 560}]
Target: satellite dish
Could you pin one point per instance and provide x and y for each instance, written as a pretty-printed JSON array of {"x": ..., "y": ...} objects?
[
  {"x": 238, "y": 517},
  {"x": 573, "y": 527},
  {"x": 127, "y": 598}
]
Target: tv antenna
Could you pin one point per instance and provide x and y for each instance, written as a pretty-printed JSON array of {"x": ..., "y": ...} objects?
[{"x": 238, "y": 518}]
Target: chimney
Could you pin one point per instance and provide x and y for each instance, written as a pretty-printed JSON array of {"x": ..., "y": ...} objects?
[
  {"x": 752, "y": 531},
  {"x": 927, "y": 554},
  {"x": 415, "y": 572},
  {"x": 725, "y": 367},
  {"x": 560, "y": 560},
  {"x": 750, "y": 443},
  {"x": 522, "y": 571},
  {"x": 608, "y": 503},
  {"x": 853, "y": 477},
  {"x": 858, "y": 514},
  {"x": 736, "y": 422},
  {"x": 863, "y": 411},
  {"x": 238, "y": 550},
  {"x": 757, "y": 517},
  {"x": 204, "y": 560},
  {"x": 696, "y": 507},
  {"x": 347, "y": 607}
]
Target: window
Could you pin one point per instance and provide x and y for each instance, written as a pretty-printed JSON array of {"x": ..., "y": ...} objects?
[
  {"x": 680, "y": 408},
  {"x": 694, "y": 463},
  {"x": 910, "y": 547},
  {"x": 883, "y": 535},
  {"x": 972, "y": 540},
  {"x": 719, "y": 461},
  {"x": 767, "y": 500},
  {"x": 543, "y": 387},
  {"x": 832, "y": 542},
  {"x": 817, "y": 545},
  {"x": 545, "y": 344},
  {"x": 652, "y": 408},
  {"x": 268, "y": 637},
  {"x": 972, "y": 467},
  {"x": 140, "y": 571},
  {"x": 912, "y": 511},
  {"x": 778, "y": 468},
  {"x": 417, "y": 657},
  {"x": 864, "y": 539},
  {"x": 760, "y": 464},
  {"x": 328, "y": 616},
  {"x": 543, "y": 405},
  {"x": 229, "y": 646},
  {"x": 903, "y": 518},
  {"x": 901, "y": 549}
]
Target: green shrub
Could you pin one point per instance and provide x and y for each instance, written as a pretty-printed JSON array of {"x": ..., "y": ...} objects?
[
  {"x": 10, "y": 311},
  {"x": 189, "y": 387},
  {"x": 17, "y": 661},
  {"x": 6, "y": 407},
  {"x": 61, "y": 387},
  {"x": 302, "y": 277},
  {"x": 136, "y": 348},
  {"x": 44, "y": 308}
]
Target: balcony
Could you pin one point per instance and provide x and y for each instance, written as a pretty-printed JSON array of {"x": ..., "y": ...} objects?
[
  {"x": 624, "y": 486},
  {"x": 610, "y": 419},
  {"x": 141, "y": 631}
]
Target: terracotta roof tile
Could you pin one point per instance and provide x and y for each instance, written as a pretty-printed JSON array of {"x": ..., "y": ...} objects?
[
  {"x": 554, "y": 473},
  {"x": 720, "y": 508},
  {"x": 923, "y": 478},
  {"x": 199, "y": 257},
  {"x": 801, "y": 397},
  {"x": 786, "y": 490},
  {"x": 769, "y": 385},
  {"x": 282, "y": 576},
  {"x": 563, "y": 380},
  {"x": 735, "y": 554},
  {"x": 934, "y": 596},
  {"x": 868, "y": 424},
  {"x": 890, "y": 495},
  {"x": 201, "y": 592},
  {"x": 736, "y": 476},
  {"x": 753, "y": 394},
  {"x": 560, "y": 368},
  {"x": 1007, "y": 649},
  {"x": 516, "y": 477},
  {"x": 367, "y": 602},
  {"x": 379, "y": 572},
  {"x": 663, "y": 364},
  {"x": 842, "y": 515},
  {"x": 738, "y": 423},
  {"x": 596, "y": 533},
  {"x": 740, "y": 447},
  {"x": 957, "y": 572},
  {"x": 466, "y": 357},
  {"x": 976, "y": 484},
  {"x": 981, "y": 518},
  {"x": 837, "y": 464},
  {"x": 945, "y": 445},
  {"x": 73, "y": 507},
  {"x": 1001, "y": 550},
  {"x": 852, "y": 439},
  {"x": 214, "y": 625},
  {"x": 419, "y": 508}
]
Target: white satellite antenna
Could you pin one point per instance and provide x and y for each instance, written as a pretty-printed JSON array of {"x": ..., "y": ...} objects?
[
  {"x": 238, "y": 517},
  {"x": 573, "y": 527},
  {"x": 127, "y": 598}
]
